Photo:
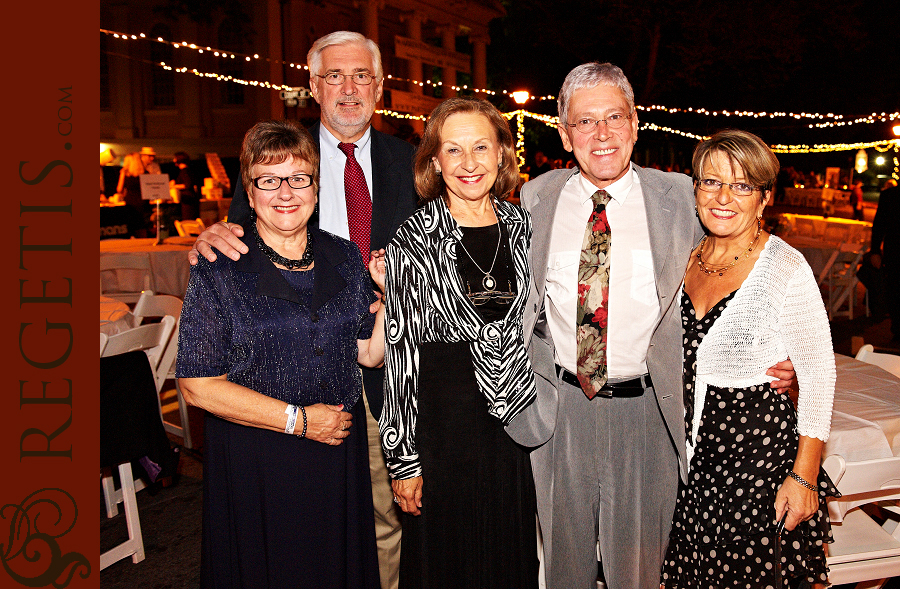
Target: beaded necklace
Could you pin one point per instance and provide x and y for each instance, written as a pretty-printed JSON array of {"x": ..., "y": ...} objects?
[
  {"x": 720, "y": 269},
  {"x": 276, "y": 258}
]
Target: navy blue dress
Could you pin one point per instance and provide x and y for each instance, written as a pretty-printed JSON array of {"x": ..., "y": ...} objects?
[{"x": 280, "y": 511}]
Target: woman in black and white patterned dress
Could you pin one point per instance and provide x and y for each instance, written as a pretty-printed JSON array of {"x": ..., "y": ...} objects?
[
  {"x": 749, "y": 300},
  {"x": 456, "y": 370}
]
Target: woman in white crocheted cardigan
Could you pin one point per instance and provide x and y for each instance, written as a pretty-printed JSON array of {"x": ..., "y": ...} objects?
[{"x": 750, "y": 300}]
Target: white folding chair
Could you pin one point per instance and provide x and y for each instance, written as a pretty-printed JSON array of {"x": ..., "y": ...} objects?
[
  {"x": 160, "y": 305},
  {"x": 190, "y": 228},
  {"x": 889, "y": 362},
  {"x": 864, "y": 551},
  {"x": 152, "y": 339},
  {"x": 842, "y": 282},
  {"x": 127, "y": 269}
]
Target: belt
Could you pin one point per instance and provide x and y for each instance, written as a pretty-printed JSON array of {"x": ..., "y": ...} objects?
[{"x": 627, "y": 388}]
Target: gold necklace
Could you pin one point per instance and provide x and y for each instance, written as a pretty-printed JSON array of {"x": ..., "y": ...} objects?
[{"x": 710, "y": 269}]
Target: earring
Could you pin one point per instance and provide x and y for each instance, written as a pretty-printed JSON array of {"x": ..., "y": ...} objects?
[
  {"x": 437, "y": 171},
  {"x": 696, "y": 212}
]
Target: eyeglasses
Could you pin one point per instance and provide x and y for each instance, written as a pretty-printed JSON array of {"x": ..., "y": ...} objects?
[
  {"x": 297, "y": 181},
  {"x": 337, "y": 78},
  {"x": 480, "y": 298},
  {"x": 587, "y": 125},
  {"x": 737, "y": 188}
]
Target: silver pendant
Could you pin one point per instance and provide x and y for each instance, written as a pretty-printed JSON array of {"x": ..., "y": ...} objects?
[{"x": 488, "y": 282}]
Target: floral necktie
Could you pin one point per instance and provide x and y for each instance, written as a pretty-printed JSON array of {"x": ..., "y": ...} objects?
[{"x": 593, "y": 299}]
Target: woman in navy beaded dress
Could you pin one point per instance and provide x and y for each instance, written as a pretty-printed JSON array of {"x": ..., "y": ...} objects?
[{"x": 269, "y": 347}]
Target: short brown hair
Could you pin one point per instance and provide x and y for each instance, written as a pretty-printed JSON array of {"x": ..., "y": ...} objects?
[
  {"x": 430, "y": 185},
  {"x": 272, "y": 142},
  {"x": 744, "y": 149}
]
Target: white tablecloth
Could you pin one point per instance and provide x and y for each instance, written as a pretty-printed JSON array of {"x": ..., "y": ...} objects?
[
  {"x": 168, "y": 262},
  {"x": 115, "y": 316},
  {"x": 866, "y": 421}
]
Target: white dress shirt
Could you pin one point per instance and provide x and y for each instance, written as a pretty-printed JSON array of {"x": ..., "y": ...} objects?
[
  {"x": 633, "y": 304},
  {"x": 332, "y": 200}
]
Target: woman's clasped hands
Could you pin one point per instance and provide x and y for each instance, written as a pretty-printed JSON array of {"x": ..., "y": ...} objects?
[{"x": 328, "y": 424}]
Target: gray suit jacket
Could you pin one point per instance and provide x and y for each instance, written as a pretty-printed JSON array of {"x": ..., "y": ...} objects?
[{"x": 674, "y": 231}]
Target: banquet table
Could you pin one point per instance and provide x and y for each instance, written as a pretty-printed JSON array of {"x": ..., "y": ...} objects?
[
  {"x": 862, "y": 457},
  {"x": 830, "y": 229},
  {"x": 865, "y": 424},
  {"x": 168, "y": 262}
]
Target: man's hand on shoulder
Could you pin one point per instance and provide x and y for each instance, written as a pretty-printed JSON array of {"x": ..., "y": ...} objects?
[{"x": 223, "y": 236}]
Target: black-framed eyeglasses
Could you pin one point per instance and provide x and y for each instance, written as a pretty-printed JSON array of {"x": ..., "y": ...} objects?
[
  {"x": 737, "y": 188},
  {"x": 587, "y": 124},
  {"x": 297, "y": 181},
  {"x": 480, "y": 298},
  {"x": 337, "y": 78}
]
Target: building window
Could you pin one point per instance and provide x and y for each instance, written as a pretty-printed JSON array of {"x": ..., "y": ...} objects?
[
  {"x": 162, "y": 82},
  {"x": 231, "y": 39}
]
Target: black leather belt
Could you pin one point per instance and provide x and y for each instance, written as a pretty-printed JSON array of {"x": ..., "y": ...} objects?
[{"x": 628, "y": 388}]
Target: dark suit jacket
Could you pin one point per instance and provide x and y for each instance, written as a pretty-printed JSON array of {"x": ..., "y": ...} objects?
[
  {"x": 393, "y": 200},
  {"x": 886, "y": 226}
]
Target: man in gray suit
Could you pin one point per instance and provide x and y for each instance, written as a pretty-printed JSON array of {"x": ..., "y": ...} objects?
[{"x": 607, "y": 468}]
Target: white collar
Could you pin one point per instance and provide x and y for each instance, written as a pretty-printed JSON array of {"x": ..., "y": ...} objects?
[{"x": 618, "y": 190}]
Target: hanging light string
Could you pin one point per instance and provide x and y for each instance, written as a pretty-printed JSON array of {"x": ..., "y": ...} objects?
[
  {"x": 830, "y": 119},
  {"x": 549, "y": 120},
  {"x": 196, "y": 72}
]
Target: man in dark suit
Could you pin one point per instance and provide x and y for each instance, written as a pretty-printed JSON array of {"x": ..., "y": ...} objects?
[
  {"x": 606, "y": 469},
  {"x": 346, "y": 79},
  {"x": 886, "y": 241}
]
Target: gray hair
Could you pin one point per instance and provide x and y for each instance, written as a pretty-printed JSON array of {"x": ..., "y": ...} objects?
[
  {"x": 314, "y": 57},
  {"x": 589, "y": 75}
]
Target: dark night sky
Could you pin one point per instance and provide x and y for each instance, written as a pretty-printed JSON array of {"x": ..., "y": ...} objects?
[{"x": 786, "y": 55}]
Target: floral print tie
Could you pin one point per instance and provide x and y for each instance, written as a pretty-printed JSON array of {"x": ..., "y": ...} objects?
[{"x": 593, "y": 299}]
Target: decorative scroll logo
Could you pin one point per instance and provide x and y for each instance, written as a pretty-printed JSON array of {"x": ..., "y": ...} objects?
[{"x": 31, "y": 555}]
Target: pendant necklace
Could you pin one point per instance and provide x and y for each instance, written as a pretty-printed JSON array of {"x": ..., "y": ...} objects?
[{"x": 489, "y": 283}]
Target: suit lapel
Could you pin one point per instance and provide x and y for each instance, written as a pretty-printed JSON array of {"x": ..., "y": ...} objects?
[
  {"x": 541, "y": 204},
  {"x": 543, "y": 212},
  {"x": 384, "y": 191},
  {"x": 666, "y": 232}
]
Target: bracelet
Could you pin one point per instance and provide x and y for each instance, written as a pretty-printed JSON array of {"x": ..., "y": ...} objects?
[
  {"x": 303, "y": 433},
  {"x": 291, "y": 412},
  {"x": 803, "y": 481}
]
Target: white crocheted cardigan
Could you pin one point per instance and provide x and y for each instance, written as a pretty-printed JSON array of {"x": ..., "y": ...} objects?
[{"x": 777, "y": 313}]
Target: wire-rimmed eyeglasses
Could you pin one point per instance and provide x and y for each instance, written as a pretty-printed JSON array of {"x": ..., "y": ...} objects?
[
  {"x": 480, "y": 298},
  {"x": 737, "y": 188},
  {"x": 337, "y": 78},
  {"x": 297, "y": 181},
  {"x": 587, "y": 124}
]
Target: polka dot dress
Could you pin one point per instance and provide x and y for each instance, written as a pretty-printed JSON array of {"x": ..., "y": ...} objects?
[{"x": 723, "y": 531}]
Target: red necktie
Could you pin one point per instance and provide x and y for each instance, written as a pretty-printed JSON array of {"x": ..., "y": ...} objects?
[
  {"x": 593, "y": 299},
  {"x": 359, "y": 204}
]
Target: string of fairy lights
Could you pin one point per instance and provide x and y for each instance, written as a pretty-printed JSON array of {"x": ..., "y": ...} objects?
[{"x": 815, "y": 120}]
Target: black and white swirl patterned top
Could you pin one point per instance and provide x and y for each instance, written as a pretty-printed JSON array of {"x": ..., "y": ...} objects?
[{"x": 426, "y": 302}]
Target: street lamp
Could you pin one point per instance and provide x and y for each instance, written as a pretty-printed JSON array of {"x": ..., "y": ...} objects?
[{"x": 522, "y": 96}]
